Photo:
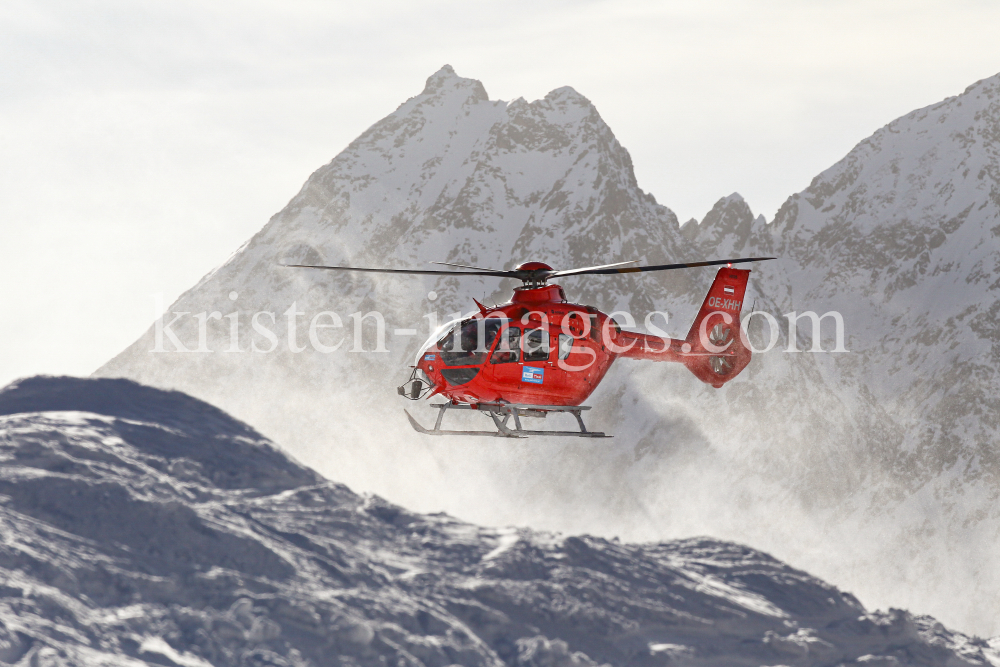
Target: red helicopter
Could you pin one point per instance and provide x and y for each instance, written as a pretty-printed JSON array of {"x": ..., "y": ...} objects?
[{"x": 540, "y": 354}]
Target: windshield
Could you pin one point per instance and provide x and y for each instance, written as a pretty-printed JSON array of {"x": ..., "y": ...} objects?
[
  {"x": 470, "y": 342},
  {"x": 434, "y": 338}
]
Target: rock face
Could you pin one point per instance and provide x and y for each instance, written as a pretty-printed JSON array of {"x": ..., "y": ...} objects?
[
  {"x": 902, "y": 237},
  {"x": 877, "y": 468},
  {"x": 726, "y": 228},
  {"x": 146, "y": 527},
  {"x": 450, "y": 176}
]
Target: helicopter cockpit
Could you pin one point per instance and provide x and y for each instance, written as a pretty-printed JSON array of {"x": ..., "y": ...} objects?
[{"x": 468, "y": 343}]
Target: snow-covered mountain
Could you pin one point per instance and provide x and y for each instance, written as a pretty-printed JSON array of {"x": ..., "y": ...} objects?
[
  {"x": 449, "y": 176},
  {"x": 144, "y": 527},
  {"x": 902, "y": 237},
  {"x": 876, "y": 468},
  {"x": 726, "y": 228}
]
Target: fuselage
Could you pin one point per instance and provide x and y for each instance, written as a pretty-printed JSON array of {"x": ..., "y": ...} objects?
[{"x": 538, "y": 349}]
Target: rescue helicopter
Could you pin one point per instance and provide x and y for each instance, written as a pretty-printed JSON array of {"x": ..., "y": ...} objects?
[{"x": 540, "y": 354}]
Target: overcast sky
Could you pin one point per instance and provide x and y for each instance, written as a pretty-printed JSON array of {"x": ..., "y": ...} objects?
[{"x": 142, "y": 142}]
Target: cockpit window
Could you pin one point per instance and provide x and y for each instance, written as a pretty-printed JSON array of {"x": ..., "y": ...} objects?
[
  {"x": 536, "y": 345},
  {"x": 509, "y": 348},
  {"x": 469, "y": 342},
  {"x": 565, "y": 346}
]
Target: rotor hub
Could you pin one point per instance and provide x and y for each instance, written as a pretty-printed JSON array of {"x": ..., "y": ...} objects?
[
  {"x": 533, "y": 274},
  {"x": 533, "y": 266}
]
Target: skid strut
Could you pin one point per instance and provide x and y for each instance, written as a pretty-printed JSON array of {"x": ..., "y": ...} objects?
[{"x": 501, "y": 414}]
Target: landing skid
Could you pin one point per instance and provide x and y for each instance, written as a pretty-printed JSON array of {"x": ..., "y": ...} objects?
[{"x": 501, "y": 414}]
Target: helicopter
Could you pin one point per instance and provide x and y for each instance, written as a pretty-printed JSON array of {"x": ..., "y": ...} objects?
[{"x": 540, "y": 354}]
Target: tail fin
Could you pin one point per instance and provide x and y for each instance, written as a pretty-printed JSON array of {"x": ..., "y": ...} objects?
[{"x": 716, "y": 349}]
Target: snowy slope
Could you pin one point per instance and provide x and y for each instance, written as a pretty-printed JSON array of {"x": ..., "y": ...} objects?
[
  {"x": 146, "y": 527},
  {"x": 909, "y": 222}
]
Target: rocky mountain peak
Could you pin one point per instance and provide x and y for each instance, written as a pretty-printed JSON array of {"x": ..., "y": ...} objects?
[
  {"x": 446, "y": 81},
  {"x": 453, "y": 176},
  {"x": 568, "y": 95},
  {"x": 917, "y": 162},
  {"x": 726, "y": 228},
  {"x": 989, "y": 85}
]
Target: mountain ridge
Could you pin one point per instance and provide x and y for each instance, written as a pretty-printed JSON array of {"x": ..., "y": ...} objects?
[{"x": 137, "y": 554}]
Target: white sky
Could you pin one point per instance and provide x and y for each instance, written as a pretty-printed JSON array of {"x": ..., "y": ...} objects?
[{"x": 142, "y": 142}]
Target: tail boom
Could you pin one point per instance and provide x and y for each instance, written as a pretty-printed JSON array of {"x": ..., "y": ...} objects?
[{"x": 716, "y": 349}]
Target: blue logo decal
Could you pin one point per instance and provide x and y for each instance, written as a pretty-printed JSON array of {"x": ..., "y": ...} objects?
[
  {"x": 428, "y": 357},
  {"x": 533, "y": 375}
]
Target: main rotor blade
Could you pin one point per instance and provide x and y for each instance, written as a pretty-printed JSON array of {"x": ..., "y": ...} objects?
[
  {"x": 658, "y": 267},
  {"x": 590, "y": 269},
  {"x": 464, "y": 266},
  {"x": 500, "y": 274}
]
